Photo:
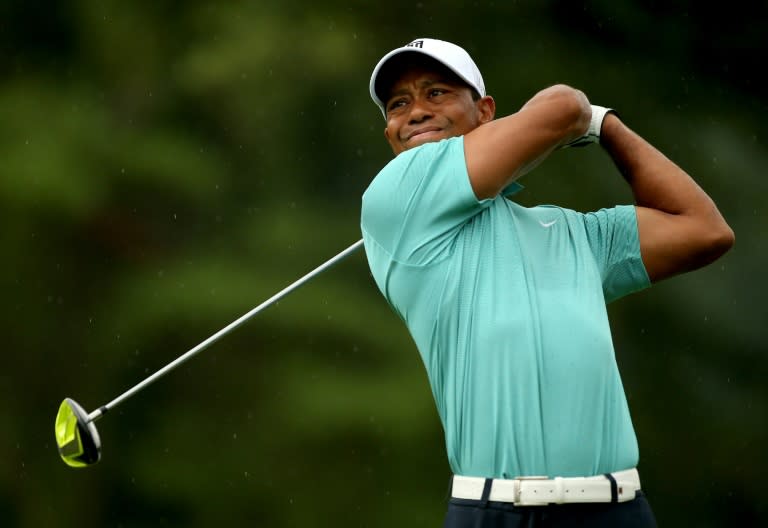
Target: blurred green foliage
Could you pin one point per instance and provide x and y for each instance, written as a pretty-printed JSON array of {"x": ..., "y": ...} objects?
[{"x": 166, "y": 166}]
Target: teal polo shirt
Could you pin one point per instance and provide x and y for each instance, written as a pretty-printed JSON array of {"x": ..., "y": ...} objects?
[{"x": 507, "y": 307}]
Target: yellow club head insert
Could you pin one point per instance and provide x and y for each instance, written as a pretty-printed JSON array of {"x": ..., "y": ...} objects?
[{"x": 76, "y": 437}]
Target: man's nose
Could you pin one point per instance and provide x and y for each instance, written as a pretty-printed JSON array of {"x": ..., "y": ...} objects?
[{"x": 420, "y": 111}]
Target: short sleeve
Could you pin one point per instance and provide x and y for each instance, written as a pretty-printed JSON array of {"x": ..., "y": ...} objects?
[
  {"x": 615, "y": 244},
  {"x": 417, "y": 203}
]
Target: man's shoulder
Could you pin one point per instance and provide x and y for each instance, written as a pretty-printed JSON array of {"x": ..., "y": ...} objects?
[
  {"x": 417, "y": 163},
  {"x": 426, "y": 152}
]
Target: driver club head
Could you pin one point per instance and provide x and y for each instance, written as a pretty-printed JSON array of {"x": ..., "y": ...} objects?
[{"x": 76, "y": 437}]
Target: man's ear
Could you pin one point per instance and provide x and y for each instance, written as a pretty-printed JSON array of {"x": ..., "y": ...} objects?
[
  {"x": 392, "y": 145},
  {"x": 487, "y": 107}
]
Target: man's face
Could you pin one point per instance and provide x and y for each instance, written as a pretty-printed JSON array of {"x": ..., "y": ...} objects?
[{"x": 426, "y": 105}]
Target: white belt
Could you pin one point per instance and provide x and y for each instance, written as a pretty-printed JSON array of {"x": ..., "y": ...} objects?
[{"x": 539, "y": 491}]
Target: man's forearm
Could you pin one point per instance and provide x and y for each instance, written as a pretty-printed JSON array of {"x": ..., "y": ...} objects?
[
  {"x": 504, "y": 149},
  {"x": 656, "y": 181},
  {"x": 680, "y": 227}
]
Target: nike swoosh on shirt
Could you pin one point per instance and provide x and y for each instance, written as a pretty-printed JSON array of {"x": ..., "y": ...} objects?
[{"x": 547, "y": 224}]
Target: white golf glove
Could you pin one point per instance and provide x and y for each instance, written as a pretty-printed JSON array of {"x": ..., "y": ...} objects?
[{"x": 593, "y": 132}]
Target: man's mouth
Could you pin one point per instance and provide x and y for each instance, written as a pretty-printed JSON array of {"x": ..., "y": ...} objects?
[{"x": 421, "y": 131}]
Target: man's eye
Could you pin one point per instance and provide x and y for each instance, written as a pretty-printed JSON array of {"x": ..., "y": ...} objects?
[
  {"x": 394, "y": 105},
  {"x": 436, "y": 91}
]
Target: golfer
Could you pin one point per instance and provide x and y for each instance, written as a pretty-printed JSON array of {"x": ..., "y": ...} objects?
[{"x": 507, "y": 304}]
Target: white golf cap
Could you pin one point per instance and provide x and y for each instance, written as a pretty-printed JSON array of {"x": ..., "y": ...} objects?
[{"x": 449, "y": 55}]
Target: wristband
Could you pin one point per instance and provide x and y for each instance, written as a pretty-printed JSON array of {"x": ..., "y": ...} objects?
[{"x": 595, "y": 125}]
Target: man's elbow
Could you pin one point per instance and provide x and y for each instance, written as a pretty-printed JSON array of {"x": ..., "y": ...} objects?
[
  {"x": 724, "y": 239},
  {"x": 716, "y": 241}
]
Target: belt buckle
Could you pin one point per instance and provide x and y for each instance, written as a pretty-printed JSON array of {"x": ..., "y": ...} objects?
[{"x": 517, "y": 489}]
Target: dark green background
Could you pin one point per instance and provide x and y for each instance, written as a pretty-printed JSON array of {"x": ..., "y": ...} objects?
[{"x": 166, "y": 166}]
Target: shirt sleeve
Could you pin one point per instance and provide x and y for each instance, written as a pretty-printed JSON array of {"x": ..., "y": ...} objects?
[
  {"x": 615, "y": 244},
  {"x": 419, "y": 201}
]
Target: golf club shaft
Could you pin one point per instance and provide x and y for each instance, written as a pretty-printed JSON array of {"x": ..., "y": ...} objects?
[{"x": 98, "y": 413}]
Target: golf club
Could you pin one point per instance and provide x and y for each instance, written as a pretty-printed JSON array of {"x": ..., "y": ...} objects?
[{"x": 76, "y": 435}]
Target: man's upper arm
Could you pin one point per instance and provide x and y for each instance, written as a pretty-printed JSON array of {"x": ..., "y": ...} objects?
[{"x": 672, "y": 244}]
